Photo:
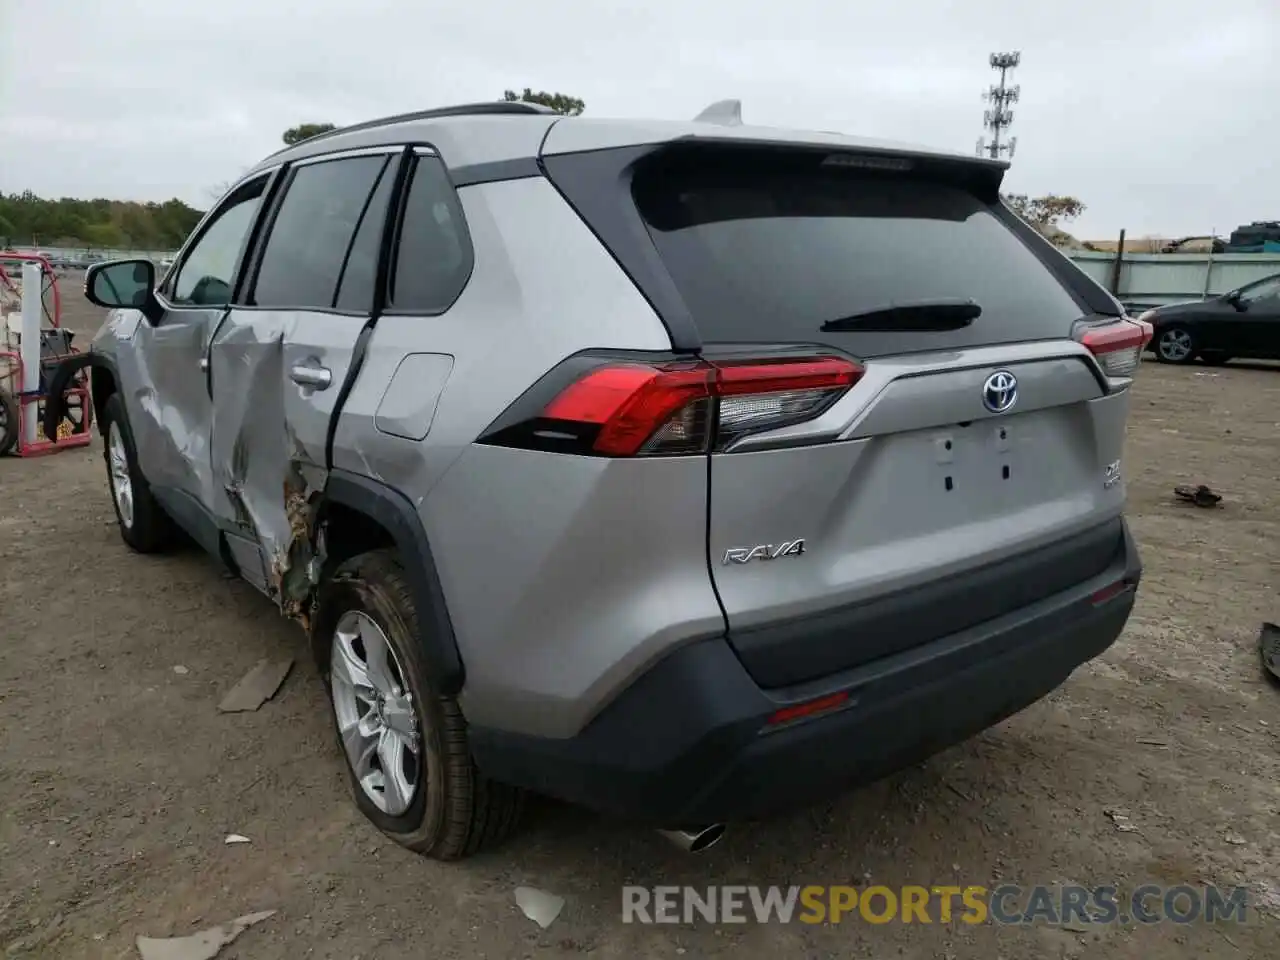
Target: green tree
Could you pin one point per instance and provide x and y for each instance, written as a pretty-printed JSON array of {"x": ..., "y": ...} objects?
[
  {"x": 305, "y": 131},
  {"x": 1047, "y": 212},
  {"x": 26, "y": 219},
  {"x": 104, "y": 235},
  {"x": 559, "y": 102}
]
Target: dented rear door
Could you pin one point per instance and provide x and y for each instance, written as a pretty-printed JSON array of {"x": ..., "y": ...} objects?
[{"x": 280, "y": 359}]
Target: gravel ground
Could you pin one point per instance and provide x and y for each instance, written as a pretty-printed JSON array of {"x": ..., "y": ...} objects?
[{"x": 119, "y": 779}]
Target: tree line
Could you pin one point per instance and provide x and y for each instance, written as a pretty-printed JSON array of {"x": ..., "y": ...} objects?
[{"x": 29, "y": 220}]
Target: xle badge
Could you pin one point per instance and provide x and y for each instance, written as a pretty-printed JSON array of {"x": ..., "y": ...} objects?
[{"x": 765, "y": 551}]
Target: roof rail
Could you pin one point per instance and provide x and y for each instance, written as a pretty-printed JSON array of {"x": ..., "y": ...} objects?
[{"x": 494, "y": 108}]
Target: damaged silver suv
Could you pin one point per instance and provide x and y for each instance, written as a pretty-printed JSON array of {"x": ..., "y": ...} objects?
[{"x": 683, "y": 471}]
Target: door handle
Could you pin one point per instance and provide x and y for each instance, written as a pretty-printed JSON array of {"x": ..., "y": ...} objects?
[{"x": 317, "y": 378}]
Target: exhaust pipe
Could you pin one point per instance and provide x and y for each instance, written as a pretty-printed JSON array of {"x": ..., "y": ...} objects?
[{"x": 696, "y": 839}]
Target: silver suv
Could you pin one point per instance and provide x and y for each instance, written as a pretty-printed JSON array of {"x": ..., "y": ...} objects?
[{"x": 680, "y": 470}]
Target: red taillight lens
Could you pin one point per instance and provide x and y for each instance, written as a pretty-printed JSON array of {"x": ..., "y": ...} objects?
[
  {"x": 1110, "y": 592},
  {"x": 1118, "y": 346},
  {"x": 667, "y": 409},
  {"x": 755, "y": 376},
  {"x": 630, "y": 402},
  {"x": 810, "y": 708}
]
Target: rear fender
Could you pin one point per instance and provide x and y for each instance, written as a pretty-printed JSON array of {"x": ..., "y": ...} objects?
[{"x": 391, "y": 510}]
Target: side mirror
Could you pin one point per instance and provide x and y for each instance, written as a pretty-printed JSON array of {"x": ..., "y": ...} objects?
[
  {"x": 123, "y": 283},
  {"x": 1233, "y": 298}
]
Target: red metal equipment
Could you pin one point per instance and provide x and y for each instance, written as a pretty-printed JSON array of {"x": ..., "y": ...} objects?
[{"x": 20, "y": 402}]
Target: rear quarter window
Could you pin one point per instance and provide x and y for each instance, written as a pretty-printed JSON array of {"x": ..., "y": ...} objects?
[
  {"x": 433, "y": 256},
  {"x": 766, "y": 252}
]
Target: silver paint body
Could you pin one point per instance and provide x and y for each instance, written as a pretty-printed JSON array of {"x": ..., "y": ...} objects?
[{"x": 567, "y": 576}]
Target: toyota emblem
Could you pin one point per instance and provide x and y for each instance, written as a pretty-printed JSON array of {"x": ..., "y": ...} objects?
[{"x": 1000, "y": 392}]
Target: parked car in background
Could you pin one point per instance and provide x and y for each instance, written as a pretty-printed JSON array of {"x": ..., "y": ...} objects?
[{"x": 1243, "y": 323}]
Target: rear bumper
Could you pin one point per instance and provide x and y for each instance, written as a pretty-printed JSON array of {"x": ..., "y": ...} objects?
[{"x": 689, "y": 741}]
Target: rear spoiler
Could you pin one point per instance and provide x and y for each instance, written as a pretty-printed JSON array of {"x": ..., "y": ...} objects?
[{"x": 980, "y": 175}]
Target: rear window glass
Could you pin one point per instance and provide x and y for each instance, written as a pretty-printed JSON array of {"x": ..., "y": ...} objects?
[{"x": 768, "y": 254}]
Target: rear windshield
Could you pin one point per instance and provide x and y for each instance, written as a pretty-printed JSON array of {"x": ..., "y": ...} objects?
[{"x": 764, "y": 252}]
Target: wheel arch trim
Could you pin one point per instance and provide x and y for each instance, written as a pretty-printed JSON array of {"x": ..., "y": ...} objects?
[{"x": 393, "y": 511}]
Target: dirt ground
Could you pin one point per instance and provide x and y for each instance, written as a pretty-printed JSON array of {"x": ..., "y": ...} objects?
[{"x": 119, "y": 779}]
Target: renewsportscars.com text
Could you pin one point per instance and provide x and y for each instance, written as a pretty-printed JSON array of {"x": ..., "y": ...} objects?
[{"x": 1006, "y": 904}]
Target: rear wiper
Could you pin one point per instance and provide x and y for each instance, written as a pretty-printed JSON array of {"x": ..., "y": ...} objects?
[{"x": 921, "y": 315}]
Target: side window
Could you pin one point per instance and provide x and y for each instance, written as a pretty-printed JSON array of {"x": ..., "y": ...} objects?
[
  {"x": 360, "y": 274},
  {"x": 433, "y": 257},
  {"x": 1263, "y": 291},
  {"x": 313, "y": 231},
  {"x": 206, "y": 274}
]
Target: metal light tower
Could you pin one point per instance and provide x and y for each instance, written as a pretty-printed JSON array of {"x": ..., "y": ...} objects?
[{"x": 998, "y": 118}]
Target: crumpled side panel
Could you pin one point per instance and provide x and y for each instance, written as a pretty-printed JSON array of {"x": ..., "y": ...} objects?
[{"x": 261, "y": 477}]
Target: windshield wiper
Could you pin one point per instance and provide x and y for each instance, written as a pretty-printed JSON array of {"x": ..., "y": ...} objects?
[{"x": 923, "y": 315}]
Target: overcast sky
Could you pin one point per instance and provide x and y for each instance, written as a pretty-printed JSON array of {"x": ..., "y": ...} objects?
[{"x": 1163, "y": 116}]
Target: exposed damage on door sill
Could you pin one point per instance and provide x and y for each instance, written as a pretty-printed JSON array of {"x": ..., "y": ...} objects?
[
  {"x": 288, "y": 549},
  {"x": 294, "y": 571},
  {"x": 280, "y": 552}
]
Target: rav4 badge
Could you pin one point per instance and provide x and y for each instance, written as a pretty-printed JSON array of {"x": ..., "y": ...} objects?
[{"x": 765, "y": 551}]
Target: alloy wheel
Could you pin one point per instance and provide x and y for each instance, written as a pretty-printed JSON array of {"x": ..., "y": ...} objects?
[
  {"x": 377, "y": 721},
  {"x": 1175, "y": 345},
  {"x": 118, "y": 470}
]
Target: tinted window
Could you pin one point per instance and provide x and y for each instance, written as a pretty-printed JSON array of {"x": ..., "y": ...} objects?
[
  {"x": 433, "y": 258},
  {"x": 206, "y": 274},
  {"x": 766, "y": 252},
  {"x": 359, "y": 276},
  {"x": 1261, "y": 290},
  {"x": 322, "y": 209}
]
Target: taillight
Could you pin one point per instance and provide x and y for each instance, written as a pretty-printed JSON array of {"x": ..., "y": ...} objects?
[
  {"x": 1118, "y": 346},
  {"x": 638, "y": 408},
  {"x": 628, "y": 408}
]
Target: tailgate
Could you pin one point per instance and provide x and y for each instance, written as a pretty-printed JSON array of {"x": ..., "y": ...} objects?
[
  {"x": 970, "y": 470},
  {"x": 929, "y": 514}
]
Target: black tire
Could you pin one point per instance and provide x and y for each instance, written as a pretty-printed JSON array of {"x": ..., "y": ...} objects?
[
  {"x": 1174, "y": 333},
  {"x": 8, "y": 421},
  {"x": 150, "y": 530},
  {"x": 456, "y": 811}
]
